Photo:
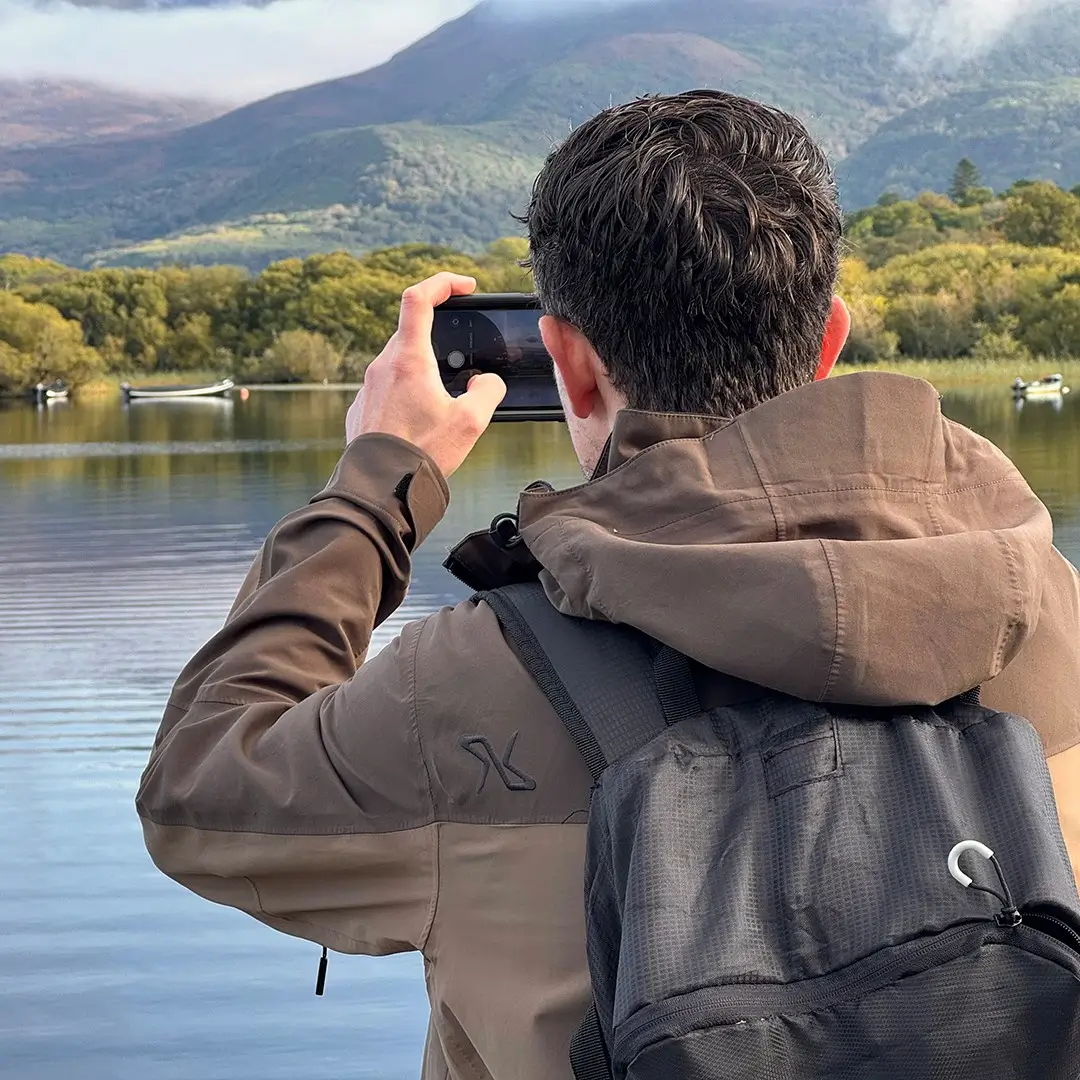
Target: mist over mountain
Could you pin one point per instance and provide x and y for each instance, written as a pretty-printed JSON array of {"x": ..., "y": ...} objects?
[
  {"x": 440, "y": 144},
  {"x": 45, "y": 112}
]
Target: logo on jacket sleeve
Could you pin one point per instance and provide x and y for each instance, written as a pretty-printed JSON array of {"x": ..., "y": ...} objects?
[{"x": 480, "y": 747}]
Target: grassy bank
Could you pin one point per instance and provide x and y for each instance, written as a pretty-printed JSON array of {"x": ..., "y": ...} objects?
[
  {"x": 944, "y": 374},
  {"x": 967, "y": 374},
  {"x": 109, "y": 385},
  {"x": 350, "y": 387}
]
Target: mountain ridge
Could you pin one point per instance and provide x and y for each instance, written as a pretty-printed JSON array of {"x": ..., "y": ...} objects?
[
  {"x": 414, "y": 150},
  {"x": 58, "y": 112}
]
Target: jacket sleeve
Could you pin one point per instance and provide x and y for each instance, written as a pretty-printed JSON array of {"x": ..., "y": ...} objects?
[{"x": 287, "y": 778}]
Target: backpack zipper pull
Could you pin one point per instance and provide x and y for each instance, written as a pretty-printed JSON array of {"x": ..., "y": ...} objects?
[
  {"x": 1009, "y": 916},
  {"x": 320, "y": 982}
]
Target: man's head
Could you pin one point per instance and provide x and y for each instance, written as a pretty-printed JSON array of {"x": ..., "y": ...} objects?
[{"x": 685, "y": 250}]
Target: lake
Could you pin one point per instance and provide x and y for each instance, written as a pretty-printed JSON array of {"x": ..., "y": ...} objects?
[{"x": 124, "y": 534}]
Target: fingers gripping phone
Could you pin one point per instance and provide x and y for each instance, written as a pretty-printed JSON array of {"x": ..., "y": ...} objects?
[{"x": 499, "y": 333}]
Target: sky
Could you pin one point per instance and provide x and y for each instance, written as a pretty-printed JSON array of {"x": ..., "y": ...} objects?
[
  {"x": 232, "y": 52},
  {"x": 229, "y": 52}
]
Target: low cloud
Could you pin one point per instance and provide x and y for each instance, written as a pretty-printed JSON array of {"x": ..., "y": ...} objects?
[
  {"x": 240, "y": 50},
  {"x": 230, "y": 52},
  {"x": 947, "y": 33}
]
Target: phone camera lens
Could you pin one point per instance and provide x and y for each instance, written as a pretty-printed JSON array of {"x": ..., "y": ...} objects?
[{"x": 456, "y": 359}]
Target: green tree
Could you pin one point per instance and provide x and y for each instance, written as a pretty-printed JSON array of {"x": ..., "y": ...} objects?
[
  {"x": 302, "y": 356},
  {"x": 1054, "y": 325},
  {"x": 20, "y": 270},
  {"x": 999, "y": 344},
  {"x": 122, "y": 313},
  {"x": 190, "y": 345},
  {"x": 965, "y": 177},
  {"x": 884, "y": 231},
  {"x": 869, "y": 342},
  {"x": 37, "y": 344},
  {"x": 967, "y": 188},
  {"x": 501, "y": 266},
  {"x": 1041, "y": 214},
  {"x": 937, "y": 326}
]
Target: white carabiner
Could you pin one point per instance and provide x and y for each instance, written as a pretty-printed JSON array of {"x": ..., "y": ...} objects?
[{"x": 962, "y": 849}]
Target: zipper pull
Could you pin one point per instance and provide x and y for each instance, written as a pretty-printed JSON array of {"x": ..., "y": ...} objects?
[
  {"x": 504, "y": 530},
  {"x": 320, "y": 982},
  {"x": 1009, "y": 916}
]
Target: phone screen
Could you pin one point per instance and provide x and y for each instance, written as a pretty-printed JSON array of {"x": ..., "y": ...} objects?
[{"x": 505, "y": 340}]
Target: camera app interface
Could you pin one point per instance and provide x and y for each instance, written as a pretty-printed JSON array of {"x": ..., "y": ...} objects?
[{"x": 507, "y": 342}]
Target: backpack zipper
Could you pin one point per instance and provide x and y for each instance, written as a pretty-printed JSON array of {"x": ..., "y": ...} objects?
[
  {"x": 798, "y": 999},
  {"x": 1064, "y": 927},
  {"x": 878, "y": 976}
]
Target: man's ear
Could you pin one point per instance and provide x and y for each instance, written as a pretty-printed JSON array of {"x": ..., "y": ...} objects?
[
  {"x": 576, "y": 361},
  {"x": 837, "y": 330}
]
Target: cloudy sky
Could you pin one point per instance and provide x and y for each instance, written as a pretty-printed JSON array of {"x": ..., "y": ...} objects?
[
  {"x": 236, "y": 52},
  {"x": 229, "y": 51}
]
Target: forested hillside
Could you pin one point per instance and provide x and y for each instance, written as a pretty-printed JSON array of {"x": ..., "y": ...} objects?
[
  {"x": 940, "y": 277},
  {"x": 440, "y": 144}
]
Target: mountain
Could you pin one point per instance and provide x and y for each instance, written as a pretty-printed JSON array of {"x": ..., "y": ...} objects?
[
  {"x": 1029, "y": 129},
  {"x": 441, "y": 143},
  {"x": 47, "y": 112}
]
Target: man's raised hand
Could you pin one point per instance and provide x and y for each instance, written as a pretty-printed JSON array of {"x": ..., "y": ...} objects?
[{"x": 403, "y": 393}]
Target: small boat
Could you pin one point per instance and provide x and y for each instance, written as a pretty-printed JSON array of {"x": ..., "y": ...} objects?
[
  {"x": 1051, "y": 386},
  {"x": 46, "y": 394},
  {"x": 176, "y": 393}
]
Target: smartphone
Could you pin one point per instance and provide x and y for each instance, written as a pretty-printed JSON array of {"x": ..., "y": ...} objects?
[{"x": 500, "y": 333}]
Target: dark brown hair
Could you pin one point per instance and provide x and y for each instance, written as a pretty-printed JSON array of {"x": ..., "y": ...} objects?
[{"x": 695, "y": 241}]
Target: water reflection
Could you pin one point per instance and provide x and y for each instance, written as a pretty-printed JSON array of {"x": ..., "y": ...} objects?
[
  {"x": 124, "y": 533},
  {"x": 1042, "y": 438}
]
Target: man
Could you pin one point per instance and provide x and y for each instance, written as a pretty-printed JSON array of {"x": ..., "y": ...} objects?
[{"x": 836, "y": 540}]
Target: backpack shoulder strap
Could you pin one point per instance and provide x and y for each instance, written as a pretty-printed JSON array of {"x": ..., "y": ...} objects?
[{"x": 613, "y": 687}]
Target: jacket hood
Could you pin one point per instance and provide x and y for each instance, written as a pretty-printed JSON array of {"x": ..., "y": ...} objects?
[{"x": 843, "y": 542}]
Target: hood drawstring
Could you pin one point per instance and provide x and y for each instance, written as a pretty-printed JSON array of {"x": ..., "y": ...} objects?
[{"x": 320, "y": 982}]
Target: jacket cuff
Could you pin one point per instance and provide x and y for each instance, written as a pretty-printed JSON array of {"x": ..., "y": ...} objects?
[{"x": 395, "y": 476}]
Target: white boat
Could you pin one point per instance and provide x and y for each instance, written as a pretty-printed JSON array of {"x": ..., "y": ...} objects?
[
  {"x": 175, "y": 393},
  {"x": 46, "y": 394},
  {"x": 1051, "y": 386}
]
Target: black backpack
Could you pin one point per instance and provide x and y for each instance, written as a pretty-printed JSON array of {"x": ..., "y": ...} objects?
[{"x": 776, "y": 890}]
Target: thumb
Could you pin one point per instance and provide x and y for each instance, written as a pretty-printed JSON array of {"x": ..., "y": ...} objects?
[{"x": 483, "y": 396}]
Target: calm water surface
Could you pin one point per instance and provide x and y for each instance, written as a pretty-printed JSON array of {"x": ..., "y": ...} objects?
[{"x": 124, "y": 534}]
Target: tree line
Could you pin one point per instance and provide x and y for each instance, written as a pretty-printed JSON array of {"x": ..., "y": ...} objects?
[
  {"x": 301, "y": 320},
  {"x": 968, "y": 273}
]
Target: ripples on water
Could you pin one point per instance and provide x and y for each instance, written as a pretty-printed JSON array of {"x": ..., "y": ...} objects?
[
  {"x": 124, "y": 534},
  {"x": 120, "y": 553}
]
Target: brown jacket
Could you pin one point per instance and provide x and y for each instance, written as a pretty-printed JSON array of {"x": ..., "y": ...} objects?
[{"x": 843, "y": 542}]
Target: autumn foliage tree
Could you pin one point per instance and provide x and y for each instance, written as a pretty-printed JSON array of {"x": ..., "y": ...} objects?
[{"x": 938, "y": 276}]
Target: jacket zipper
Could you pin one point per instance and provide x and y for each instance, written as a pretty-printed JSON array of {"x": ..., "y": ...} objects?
[{"x": 940, "y": 943}]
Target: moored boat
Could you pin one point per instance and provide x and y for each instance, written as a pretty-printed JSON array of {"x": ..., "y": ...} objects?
[
  {"x": 1052, "y": 385},
  {"x": 176, "y": 393},
  {"x": 47, "y": 393}
]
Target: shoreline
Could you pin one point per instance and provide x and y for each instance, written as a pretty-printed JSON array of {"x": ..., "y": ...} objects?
[
  {"x": 276, "y": 387},
  {"x": 942, "y": 374}
]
